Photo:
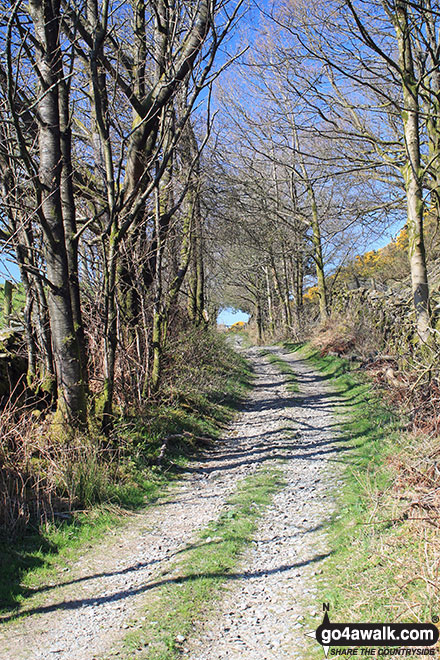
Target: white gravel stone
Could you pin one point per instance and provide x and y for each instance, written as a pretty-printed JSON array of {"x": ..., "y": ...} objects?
[{"x": 102, "y": 593}]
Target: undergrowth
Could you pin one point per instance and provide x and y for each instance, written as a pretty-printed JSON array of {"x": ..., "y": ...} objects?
[
  {"x": 406, "y": 370},
  {"x": 385, "y": 540},
  {"x": 56, "y": 495}
]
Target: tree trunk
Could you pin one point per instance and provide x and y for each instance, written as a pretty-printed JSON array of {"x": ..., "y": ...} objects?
[
  {"x": 196, "y": 288},
  {"x": 296, "y": 265},
  {"x": 431, "y": 94},
  {"x": 157, "y": 308},
  {"x": 279, "y": 290},
  {"x": 71, "y": 403},
  {"x": 259, "y": 321},
  {"x": 412, "y": 172},
  {"x": 317, "y": 256},
  {"x": 7, "y": 301},
  {"x": 70, "y": 228},
  {"x": 316, "y": 232},
  {"x": 110, "y": 337},
  {"x": 269, "y": 301},
  {"x": 288, "y": 311},
  {"x": 200, "y": 269}
]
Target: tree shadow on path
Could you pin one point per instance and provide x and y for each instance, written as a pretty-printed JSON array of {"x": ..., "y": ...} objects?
[{"x": 127, "y": 593}]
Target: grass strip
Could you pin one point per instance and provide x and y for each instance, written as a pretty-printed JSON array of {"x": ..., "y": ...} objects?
[
  {"x": 284, "y": 368},
  {"x": 381, "y": 563},
  {"x": 182, "y": 599}
]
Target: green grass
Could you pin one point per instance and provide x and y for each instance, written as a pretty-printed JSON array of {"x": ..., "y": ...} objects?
[
  {"x": 284, "y": 368},
  {"x": 376, "y": 571},
  {"x": 201, "y": 410},
  {"x": 18, "y": 303},
  {"x": 183, "y": 595}
]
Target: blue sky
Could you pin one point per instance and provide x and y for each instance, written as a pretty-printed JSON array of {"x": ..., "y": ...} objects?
[
  {"x": 8, "y": 270},
  {"x": 229, "y": 316}
]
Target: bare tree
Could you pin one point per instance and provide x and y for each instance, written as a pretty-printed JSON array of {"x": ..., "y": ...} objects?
[{"x": 106, "y": 114}]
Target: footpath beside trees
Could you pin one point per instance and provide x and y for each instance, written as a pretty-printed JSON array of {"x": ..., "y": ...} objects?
[
  {"x": 138, "y": 196},
  {"x": 106, "y": 203}
]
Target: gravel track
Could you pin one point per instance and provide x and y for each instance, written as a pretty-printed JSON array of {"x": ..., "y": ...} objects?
[
  {"x": 261, "y": 616},
  {"x": 85, "y": 614}
]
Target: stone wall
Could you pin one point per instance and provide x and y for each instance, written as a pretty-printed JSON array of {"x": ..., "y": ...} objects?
[{"x": 389, "y": 314}]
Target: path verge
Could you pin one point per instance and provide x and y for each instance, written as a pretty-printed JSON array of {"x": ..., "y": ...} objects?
[{"x": 386, "y": 557}]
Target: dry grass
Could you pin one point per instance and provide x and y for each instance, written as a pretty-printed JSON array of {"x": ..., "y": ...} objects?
[
  {"x": 417, "y": 478},
  {"x": 404, "y": 545},
  {"x": 408, "y": 377},
  {"x": 343, "y": 335},
  {"x": 44, "y": 476},
  {"x": 25, "y": 492}
]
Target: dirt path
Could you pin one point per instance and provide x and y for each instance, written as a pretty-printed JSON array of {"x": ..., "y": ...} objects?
[{"x": 86, "y": 613}]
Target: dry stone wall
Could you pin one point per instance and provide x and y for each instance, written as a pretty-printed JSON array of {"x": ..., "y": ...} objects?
[{"x": 389, "y": 314}]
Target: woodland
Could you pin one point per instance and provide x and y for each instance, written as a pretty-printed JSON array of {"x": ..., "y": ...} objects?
[{"x": 162, "y": 160}]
